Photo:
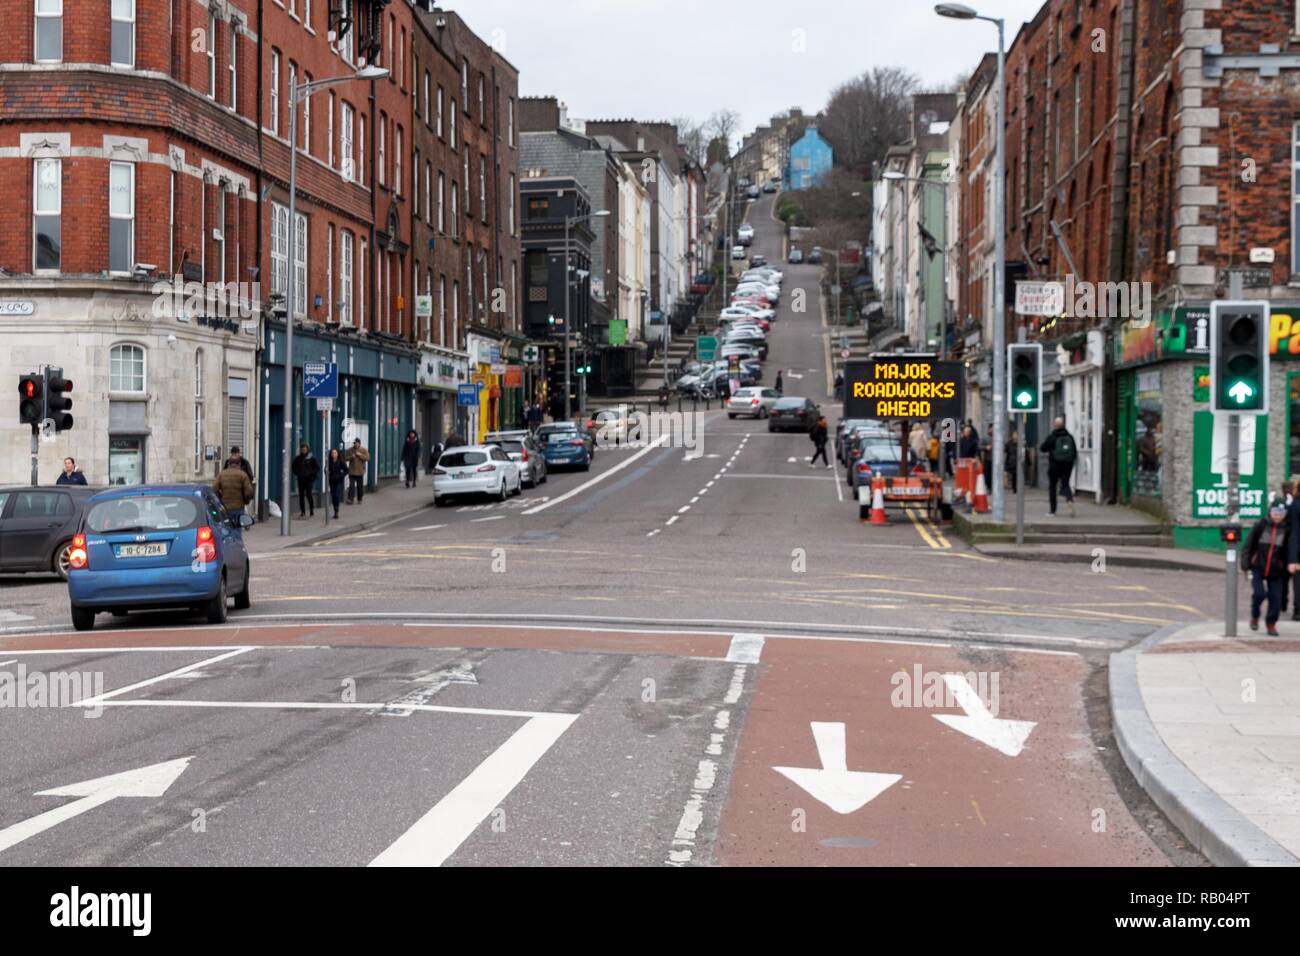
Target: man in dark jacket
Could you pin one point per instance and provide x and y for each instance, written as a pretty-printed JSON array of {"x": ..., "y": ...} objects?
[
  {"x": 239, "y": 461},
  {"x": 818, "y": 435},
  {"x": 411, "y": 457},
  {"x": 306, "y": 469},
  {"x": 1061, "y": 454},
  {"x": 234, "y": 489},
  {"x": 969, "y": 446},
  {"x": 1267, "y": 548},
  {"x": 70, "y": 475}
]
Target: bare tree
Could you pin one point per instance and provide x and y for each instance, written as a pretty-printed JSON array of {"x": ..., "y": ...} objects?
[
  {"x": 723, "y": 125},
  {"x": 692, "y": 138},
  {"x": 867, "y": 115}
]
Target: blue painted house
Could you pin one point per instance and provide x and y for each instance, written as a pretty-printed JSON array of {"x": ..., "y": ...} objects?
[{"x": 810, "y": 160}]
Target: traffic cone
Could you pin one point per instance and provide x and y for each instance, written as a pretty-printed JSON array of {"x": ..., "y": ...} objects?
[
  {"x": 981, "y": 495},
  {"x": 877, "y": 504}
]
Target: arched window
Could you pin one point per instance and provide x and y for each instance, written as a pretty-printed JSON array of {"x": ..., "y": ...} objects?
[{"x": 126, "y": 371}]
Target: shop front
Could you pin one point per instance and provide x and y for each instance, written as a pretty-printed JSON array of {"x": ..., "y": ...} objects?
[
  {"x": 1080, "y": 368},
  {"x": 437, "y": 414}
]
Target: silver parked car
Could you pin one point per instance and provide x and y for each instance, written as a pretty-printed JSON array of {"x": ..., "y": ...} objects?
[
  {"x": 753, "y": 402},
  {"x": 524, "y": 451}
]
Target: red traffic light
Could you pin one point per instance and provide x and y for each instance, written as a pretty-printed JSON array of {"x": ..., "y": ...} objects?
[
  {"x": 28, "y": 388},
  {"x": 1230, "y": 534}
]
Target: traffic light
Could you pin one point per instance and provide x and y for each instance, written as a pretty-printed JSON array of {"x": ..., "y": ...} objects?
[
  {"x": 1239, "y": 357},
  {"x": 58, "y": 403},
  {"x": 1025, "y": 378},
  {"x": 31, "y": 399}
]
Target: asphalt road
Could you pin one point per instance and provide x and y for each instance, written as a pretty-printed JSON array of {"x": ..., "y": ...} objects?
[{"x": 607, "y": 670}]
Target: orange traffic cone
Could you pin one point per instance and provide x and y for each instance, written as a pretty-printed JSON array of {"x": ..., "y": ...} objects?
[
  {"x": 981, "y": 495},
  {"x": 877, "y": 504}
]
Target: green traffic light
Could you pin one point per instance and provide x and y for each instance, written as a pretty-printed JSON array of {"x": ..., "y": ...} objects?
[
  {"x": 1240, "y": 392},
  {"x": 1025, "y": 399}
]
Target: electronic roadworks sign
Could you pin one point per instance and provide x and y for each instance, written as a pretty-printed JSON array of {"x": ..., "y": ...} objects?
[{"x": 904, "y": 386}]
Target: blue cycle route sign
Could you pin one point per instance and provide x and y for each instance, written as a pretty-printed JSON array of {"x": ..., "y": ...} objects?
[{"x": 320, "y": 380}]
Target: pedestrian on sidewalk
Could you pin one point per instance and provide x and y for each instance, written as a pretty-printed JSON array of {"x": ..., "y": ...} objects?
[
  {"x": 336, "y": 472},
  {"x": 70, "y": 475},
  {"x": 839, "y": 386},
  {"x": 779, "y": 386},
  {"x": 1265, "y": 547},
  {"x": 238, "y": 460},
  {"x": 434, "y": 454},
  {"x": 1061, "y": 451},
  {"x": 932, "y": 453},
  {"x": 234, "y": 488},
  {"x": 919, "y": 443},
  {"x": 535, "y": 416},
  {"x": 411, "y": 458},
  {"x": 969, "y": 446},
  {"x": 306, "y": 469},
  {"x": 357, "y": 458},
  {"x": 818, "y": 435}
]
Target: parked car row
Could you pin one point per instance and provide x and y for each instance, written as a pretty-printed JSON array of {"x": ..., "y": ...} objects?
[{"x": 507, "y": 462}]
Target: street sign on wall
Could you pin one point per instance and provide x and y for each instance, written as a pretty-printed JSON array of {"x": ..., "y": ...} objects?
[
  {"x": 1210, "y": 465},
  {"x": 467, "y": 395},
  {"x": 1040, "y": 298},
  {"x": 904, "y": 386}
]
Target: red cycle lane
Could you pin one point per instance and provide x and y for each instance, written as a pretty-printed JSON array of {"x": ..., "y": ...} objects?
[{"x": 957, "y": 801}]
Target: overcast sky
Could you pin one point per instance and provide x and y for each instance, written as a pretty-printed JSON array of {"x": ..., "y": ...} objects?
[{"x": 657, "y": 59}]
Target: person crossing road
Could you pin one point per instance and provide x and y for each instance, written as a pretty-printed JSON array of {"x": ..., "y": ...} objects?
[{"x": 819, "y": 435}]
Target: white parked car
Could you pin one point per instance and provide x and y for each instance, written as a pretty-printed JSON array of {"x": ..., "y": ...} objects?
[
  {"x": 475, "y": 470},
  {"x": 746, "y": 231},
  {"x": 740, "y": 312},
  {"x": 752, "y": 402},
  {"x": 737, "y": 252}
]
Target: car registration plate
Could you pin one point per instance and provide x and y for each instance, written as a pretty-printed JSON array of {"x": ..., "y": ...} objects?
[{"x": 153, "y": 549}]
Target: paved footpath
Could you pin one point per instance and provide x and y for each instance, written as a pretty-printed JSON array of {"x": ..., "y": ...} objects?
[{"x": 1210, "y": 727}]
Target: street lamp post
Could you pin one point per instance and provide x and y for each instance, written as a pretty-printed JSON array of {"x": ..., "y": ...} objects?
[
  {"x": 299, "y": 93},
  {"x": 569, "y": 223},
  {"x": 895, "y": 176},
  {"x": 958, "y": 11}
]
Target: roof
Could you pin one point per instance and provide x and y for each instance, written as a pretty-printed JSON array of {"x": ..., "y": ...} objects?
[{"x": 139, "y": 491}]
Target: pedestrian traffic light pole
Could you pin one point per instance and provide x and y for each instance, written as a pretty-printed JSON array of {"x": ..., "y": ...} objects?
[
  {"x": 1235, "y": 292},
  {"x": 299, "y": 93},
  {"x": 569, "y": 223}
]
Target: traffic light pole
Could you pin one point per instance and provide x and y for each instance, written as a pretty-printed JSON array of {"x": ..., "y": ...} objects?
[
  {"x": 1234, "y": 511},
  {"x": 36, "y": 454}
]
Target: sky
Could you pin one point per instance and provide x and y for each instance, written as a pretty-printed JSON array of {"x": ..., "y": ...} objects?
[{"x": 658, "y": 59}]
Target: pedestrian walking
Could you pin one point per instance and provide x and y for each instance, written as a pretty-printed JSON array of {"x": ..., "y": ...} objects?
[
  {"x": 535, "y": 416},
  {"x": 935, "y": 449},
  {"x": 839, "y": 386},
  {"x": 1012, "y": 458},
  {"x": 780, "y": 382},
  {"x": 357, "y": 457},
  {"x": 1266, "y": 545},
  {"x": 724, "y": 389},
  {"x": 234, "y": 488},
  {"x": 818, "y": 435},
  {"x": 70, "y": 475},
  {"x": 434, "y": 454},
  {"x": 919, "y": 443},
  {"x": 969, "y": 445},
  {"x": 239, "y": 461},
  {"x": 336, "y": 473},
  {"x": 306, "y": 469},
  {"x": 1061, "y": 451},
  {"x": 411, "y": 458}
]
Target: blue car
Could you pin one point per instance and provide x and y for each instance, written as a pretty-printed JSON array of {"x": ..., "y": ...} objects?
[
  {"x": 565, "y": 446},
  {"x": 157, "y": 546}
]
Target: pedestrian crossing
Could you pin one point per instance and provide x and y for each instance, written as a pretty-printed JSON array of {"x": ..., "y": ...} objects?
[{"x": 511, "y": 504}]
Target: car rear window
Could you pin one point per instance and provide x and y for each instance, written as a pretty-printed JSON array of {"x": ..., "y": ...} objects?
[
  {"x": 790, "y": 403},
  {"x": 462, "y": 459},
  {"x": 880, "y": 451},
  {"x": 559, "y": 438},
  {"x": 511, "y": 447},
  {"x": 142, "y": 513}
]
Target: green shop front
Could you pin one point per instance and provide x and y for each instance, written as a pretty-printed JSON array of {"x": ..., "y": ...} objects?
[
  {"x": 1172, "y": 450},
  {"x": 375, "y": 402}
]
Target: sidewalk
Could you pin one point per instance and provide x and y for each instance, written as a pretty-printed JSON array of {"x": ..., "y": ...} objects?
[
  {"x": 390, "y": 502},
  {"x": 1210, "y": 727}
]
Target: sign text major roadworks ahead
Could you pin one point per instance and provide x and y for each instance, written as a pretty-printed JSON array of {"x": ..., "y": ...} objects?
[{"x": 904, "y": 386}]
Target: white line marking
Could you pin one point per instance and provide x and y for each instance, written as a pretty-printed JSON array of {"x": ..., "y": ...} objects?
[
  {"x": 180, "y": 671},
  {"x": 173, "y": 649},
  {"x": 654, "y": 532},
  {"x": 429, "y": 527},
  {"x": 711, "y": 483},
  {"x": 683, "y": 509},
  {"x": 657, "y": 443},
  {"x": 369, "y": 534},
  {"x": 438, "y": 834},
  {"x": 491, "y": 518},
  {"x": 374, "y": 706},
  {"x": 673, "y": 519},
  {"x": 745, "y": 648},
  {"x": 6, "y": 663},
  {"x": 695, "y": 499}
]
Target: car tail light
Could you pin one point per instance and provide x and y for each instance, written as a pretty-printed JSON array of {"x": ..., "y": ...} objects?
[
  {"x": 753, "y": 401},
  {"x": 524, "y": 456},
  {"x": 486, "y": 468},
  {"x": 439, "y": 471},
  {"x": 77, "y": 553},
  {"x": 207, "y": 549},
  {"x": 857, "y": 453},
  {"x": 578, "y": 442}
]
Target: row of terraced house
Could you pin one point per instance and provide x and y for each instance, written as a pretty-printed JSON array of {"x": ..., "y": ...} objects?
[
  {"x": 1153, "y": 152},
  {"x": 147, "y": 245}
]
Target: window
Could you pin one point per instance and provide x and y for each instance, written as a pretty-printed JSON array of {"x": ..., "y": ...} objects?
[
  {"x": 49, "y": 31},
  {"x": 415, "y": 185},
  {"x": 361, "y": 284},
  {"x": 329, "y": 132},
  {"x": 401, "y": 57},
  {"x": 514, "y": 274},
  {"x": 1078, "y": 110},
  {"x": 345, "y": 277},
  {"x": 305, "y": 144},
  {"x": 329, "y": 273},
  {"x": 455, "y": 217},
  {"x": 47, "y": 206},
  {"x": 392, "y": 49},
  {"x": 482, "y": 101},
  {"x": 442, "y": 311},
  {"x": 219, "y": 233},
  {"x": 464, "y": 83},
  {"x": 126, "y": 369},
  {"x": 361, "y": 150},
  {"x": 510, "y": 121},
  {"x": 345, "y": 143},
  {"x": 122, "y": 39},
  {"x": 300, "y": 265},
  {"x": 291, "y": 103},
  {"x": 279, "y": 249},
  {"x": 232, "y": 68},
  {"x": 121, "y": 217},
  {"x": 455, "y": 314},
  {"x": 397, "y": 160},
  {"x": 425, "y": 97},
  {"x": 482, "y": 185},
  {"x": 347, "y": 47},
  {"x": 510, "y": 205},
  {"x": 428, "y": 199},
  {"x": 171, "y": 222},
  {"x": 275, "y": 91},
  {"x": 464, "y": 178},
  {"x": 442, "y": 219},
  {"x": 383, "y": 141},
  {"x": 439, "y": 113},
  {"x": 212, "y": 54},
  {"x": 306, "y": 13},
  {"x": 453, "y": 124}
]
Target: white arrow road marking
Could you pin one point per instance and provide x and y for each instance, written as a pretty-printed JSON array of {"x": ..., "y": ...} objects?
[
  {"x": 437, "y": 834},
  {"x": 841, "y": 789},
  {"x": 431, "y": 683},
  {"x": 152, "y": 781},
  {"x": 1006, "y": 736}
]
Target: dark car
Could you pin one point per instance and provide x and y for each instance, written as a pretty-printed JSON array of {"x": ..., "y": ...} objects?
[
  {"x": 815, "y": 257},
  {"x": 757, "y": 260},
  {"x": 37, "y": 525},
  {"x": 792, "y": 414},
  {"x": 855, "y": 440},
  {"x": 876, "y": 456},
  {"x": 157, "y": 546},
  {"x": 796, "y": 255},
  {"x": 847, "y": 426}
]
